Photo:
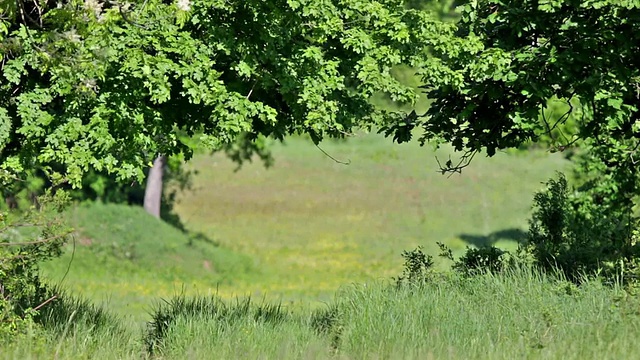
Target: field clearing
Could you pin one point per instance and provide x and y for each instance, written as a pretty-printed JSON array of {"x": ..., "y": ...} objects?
[
  {"x": 312, "y": 225},
  {"x": 300, "y": 230}
]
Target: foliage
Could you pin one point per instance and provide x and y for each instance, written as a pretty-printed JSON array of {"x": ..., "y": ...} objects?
[
  {"x": 581, "y": 233},
  {"x": 514, "y": 56},
  {"x": 476, "y": 261},
  {"x": 417, "y": 267},
  {"x": 104, "y": 187},
  {"x": 26, "y": 241},
  {"x": 445, "y": 9},
  {"x": 562, "y": 136},
  {"x": 104, "y": 86}
]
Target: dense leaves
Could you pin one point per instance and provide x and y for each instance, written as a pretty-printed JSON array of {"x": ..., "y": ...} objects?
[
  {"x": 514, "y": 56},
  {"x": 106, "y": 85}
]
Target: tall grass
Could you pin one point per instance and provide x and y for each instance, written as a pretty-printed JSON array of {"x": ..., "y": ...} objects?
[
  {"x": 519, "y": 314},
  {"x": 73, "y": 328},
  {"x": 200, "y": 328}
]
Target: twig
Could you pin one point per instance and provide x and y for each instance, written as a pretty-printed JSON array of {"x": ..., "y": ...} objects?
[
  {"x": 73, "y": 255},
  {"x": 348, "y": 162},
  {"x": 41, "y": 241},
  {"x": 46, "y": 302},
  {"x": 465, "y": 161},
  {"x": 7, "y": 174},
  {"x": 26, "y": 16},
  {"x": 544, "y": 119},
  {"x": 125, "y": 16},
  {"x": 144, "y": 4},
  {"x": 35, "y": 3},
  {"x": 251, "y": 91}
]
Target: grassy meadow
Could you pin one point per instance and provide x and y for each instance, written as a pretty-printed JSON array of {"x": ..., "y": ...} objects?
[
  {"x": 302, "y": 229},
  {"x": 311, "y": 224},
  {"x": 296, "y": 261},
  {"x": 520, "y": 315}
]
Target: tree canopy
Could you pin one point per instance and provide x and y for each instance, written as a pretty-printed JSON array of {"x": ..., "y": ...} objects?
[
  {"x": 108, "y": 85},
  {"x": 516, "y": 55}
]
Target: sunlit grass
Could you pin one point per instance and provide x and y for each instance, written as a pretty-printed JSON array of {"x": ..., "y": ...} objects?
[
  {"x": 299, "y": 231},
  {"x": 520, "y": 314},
  {"x": 312, "y": 224}
]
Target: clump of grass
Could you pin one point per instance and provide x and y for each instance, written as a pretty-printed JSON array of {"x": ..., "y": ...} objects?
[
  {"x": 326, "y": 322},
  {"x": 181, "y": 309},
  {"x": 65, "y": 310},
  {"x": 70, "y": 327}
]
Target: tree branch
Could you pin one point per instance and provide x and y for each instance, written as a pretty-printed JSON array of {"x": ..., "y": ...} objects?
[
  {"x": 35, "y": 242},
  {"x": 348, "y": 162}
]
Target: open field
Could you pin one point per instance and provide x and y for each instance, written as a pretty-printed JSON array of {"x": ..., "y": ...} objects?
[
  {"x": 303, "y": 228},
  {"x": 312, "y": 225}
]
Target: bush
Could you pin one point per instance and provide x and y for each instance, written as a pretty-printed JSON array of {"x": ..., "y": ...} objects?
[
  {"x": 580, "y": 234},
  {"x": 481, "y": 260},
  {"x": 25, "y": 241},
  {"x": 417, "y": 267},
  {"x": 476, "y": 261}
]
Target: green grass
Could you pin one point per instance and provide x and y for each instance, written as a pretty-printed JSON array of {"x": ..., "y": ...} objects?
[
  {"x": 124, "y": 258},
  {"x": 522, "y": 314},
  {"x": 300, "y": 230},
  {"x": 312, "y": 224}
]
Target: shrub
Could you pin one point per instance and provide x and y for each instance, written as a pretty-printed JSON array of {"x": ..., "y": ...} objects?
[
  {"x": 481, "y": 260},
  {"x": 476, "y": 260},
  {"x": 26, "y": 240},
  {"x": 580, "y": 233},
  {"x": 417, "y": 267}
]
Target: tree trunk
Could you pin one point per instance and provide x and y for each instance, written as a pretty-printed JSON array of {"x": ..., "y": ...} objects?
[
  {"x": 11, "y": 202},
  {"x": 153, "y": 190}
]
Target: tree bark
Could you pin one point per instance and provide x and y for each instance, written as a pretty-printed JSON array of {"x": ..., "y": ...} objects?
[{"x": 153, "y": 190}]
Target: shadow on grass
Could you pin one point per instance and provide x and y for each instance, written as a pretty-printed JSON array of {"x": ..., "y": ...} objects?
[
  {"x": 514, "y": 234},
  {"x": 169, "y": 216}
]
